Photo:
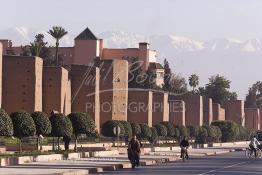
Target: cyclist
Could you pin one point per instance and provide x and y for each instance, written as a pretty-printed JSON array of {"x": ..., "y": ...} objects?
[
  {"x": 254, "y": 143},
  {"x": 184, "y": 144}
]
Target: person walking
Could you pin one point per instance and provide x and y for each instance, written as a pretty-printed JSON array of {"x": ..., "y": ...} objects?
[{"x": 134, "y": 151}]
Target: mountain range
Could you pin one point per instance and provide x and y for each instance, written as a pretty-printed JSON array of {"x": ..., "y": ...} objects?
[{"x": 239, "y": 61}]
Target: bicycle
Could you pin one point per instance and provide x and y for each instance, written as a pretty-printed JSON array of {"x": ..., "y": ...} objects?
[
  {"x": 183, "y": 153},
  {"x": 249, "y": 153}
]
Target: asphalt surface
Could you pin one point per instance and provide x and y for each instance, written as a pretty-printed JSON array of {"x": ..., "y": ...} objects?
[{"x": 233, "y": 163}]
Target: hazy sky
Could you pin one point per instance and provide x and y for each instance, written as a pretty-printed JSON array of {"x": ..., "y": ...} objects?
[{"x": 199, "y": 19}]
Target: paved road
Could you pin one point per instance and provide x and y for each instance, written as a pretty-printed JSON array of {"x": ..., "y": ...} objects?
[{"x": 232, "y": 163}]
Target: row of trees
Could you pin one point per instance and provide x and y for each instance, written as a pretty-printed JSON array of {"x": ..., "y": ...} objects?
[
  {"x": 218, "y": 87},
  {"x": 218, "y": 131},
  {"x": 23, "y": 124},
  {"x": 41, "y": 49}
]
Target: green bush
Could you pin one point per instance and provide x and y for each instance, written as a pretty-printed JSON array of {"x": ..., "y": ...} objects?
[
  {"x": 182, "y": 131},
  {"x": 82, "y": 123},
  {"x": 251, "y": 133},
  {"x": 136, "y": 129},
  {"x": 229, "y": 129},
  {"x": 145, "y": 131},
  {"x": 108, "y": 128},
  {"x": 61, "y": 126},
  {"x": 161, "y": 130},
  {"x": 213, "y": 133},
  {"x": 171, "y": 132},
  {"x": 128, "y": 129},
  {"x": 154, "y": 136},
  {"x": 177, "y": 134},
  {"x": 218, "y": 134},
  {"x": 42, "y": 123},
  {"x": 243, "y": 133},
  {"x": 23, "y": 123},
  {"x": 6, "y": 124},
  {"x": 202, "y": 136},
  {"x": 193, "y": 131}
]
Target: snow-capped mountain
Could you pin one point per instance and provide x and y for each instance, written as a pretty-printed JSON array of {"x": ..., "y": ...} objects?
[
  {"x": 240, "y": 61},
  {"x": 121, "y": 39}
]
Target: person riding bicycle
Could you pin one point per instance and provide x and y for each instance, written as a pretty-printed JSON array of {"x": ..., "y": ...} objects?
[
  {"x": 184, "y": 144},
  {"x": 254, "y": 144},
  {"x": 134, "y": 151}
]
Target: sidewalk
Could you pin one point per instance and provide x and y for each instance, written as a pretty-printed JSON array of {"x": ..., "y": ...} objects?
[{"x": 99, "y": 164}]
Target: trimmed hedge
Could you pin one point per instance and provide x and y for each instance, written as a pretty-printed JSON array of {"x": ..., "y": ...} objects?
[
  {"x": 136, "y": 129},
  {"x": 171, "y": 132},
  {"x": 108, "y": 128},
  {"x": 145, "y": 131},
  {"x": 6, "y": 124},
  {"x": 82, "y": 123},
  {"x": 202, "y": 135},
  {"x": 23, "y": 123},
  {"x": 42, "y": 123},
  {"x": 61, "y": 126},
  {"x": 177, "y": 134},
  {"x": 193, "y": 131},
  {"x": 214, "y": 133},
  {"x": 161, "y": 130},
  {"x": 229, "y": 129},
  {"x": 182, "y": 131},
  {"x": 128, "y": 129},
  {"x": 154, "y": 136}
]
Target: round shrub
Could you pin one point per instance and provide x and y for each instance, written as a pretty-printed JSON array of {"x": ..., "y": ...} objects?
[
  {"x": 193, "y": 131},
  {"x": 136, "y": 129},
  {"x": 82, "y": 123},
  {"x": 212, "y": 133},
  {"x": 177, "y": 134},
  {"x": 218, "y": 133},
  {"x": 61, "y": 126},
  {"x": 108, "y": 128},
  {"x": 170, "y": 128},
  {"x": 251, "y": 133},
  {"x": 161, "y": 130},
  {"x": 202, "y": 135},
  {"x": 145, "y": 131},
  {"x": 154, "y": 136},
  {"x": 229, "y": 130},
  {"x": 42, "y": 123},
  {"x": 6, "y": 125},
  {"x": 23, "y": 123},
  {"x": 128, "y": 129},
  {"x": 182, "y": 131}
]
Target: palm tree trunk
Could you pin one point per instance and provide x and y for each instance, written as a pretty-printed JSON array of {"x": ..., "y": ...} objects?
[{"x": 56, "y": 52}]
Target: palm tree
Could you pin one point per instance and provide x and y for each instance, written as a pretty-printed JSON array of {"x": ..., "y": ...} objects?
[
  {"x": 57, "y": 32},
  {"x": 193, "y": 81}
]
